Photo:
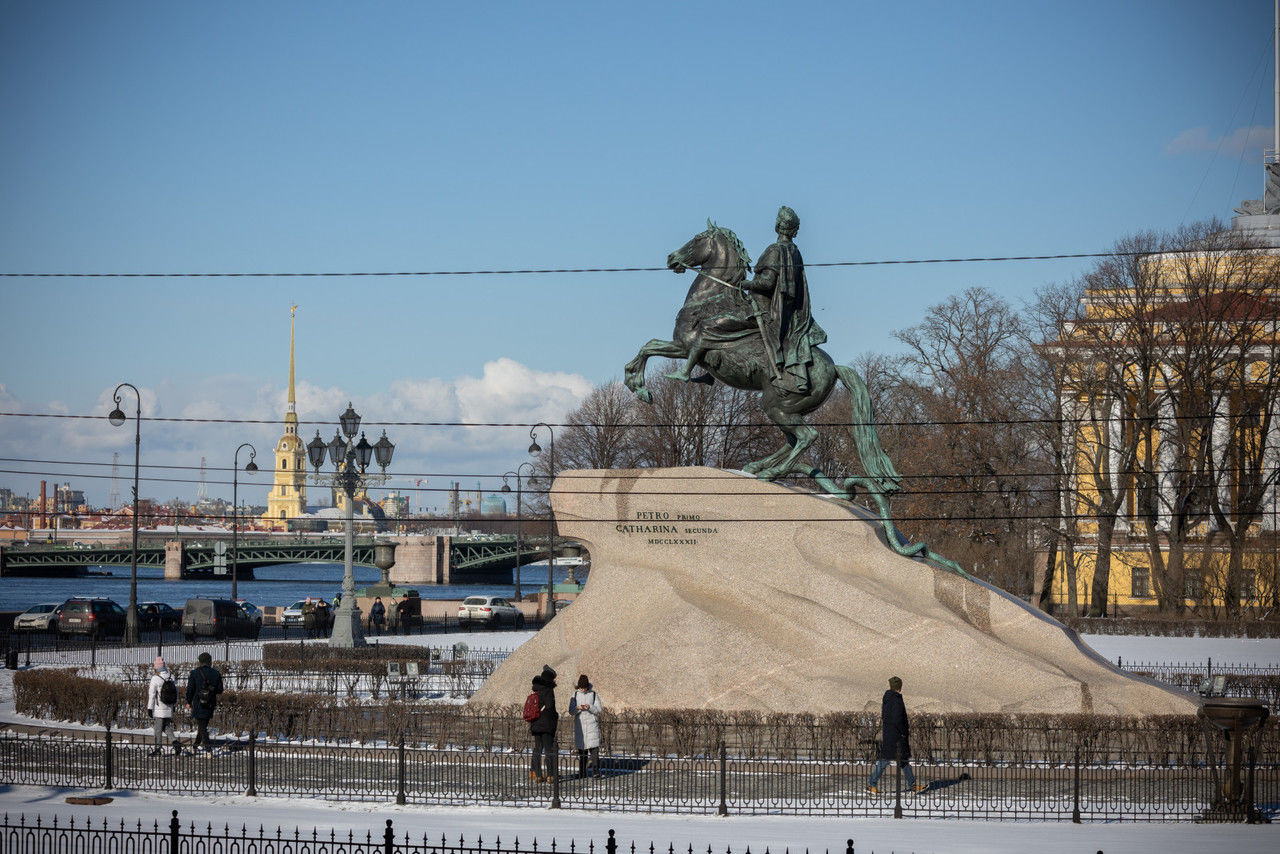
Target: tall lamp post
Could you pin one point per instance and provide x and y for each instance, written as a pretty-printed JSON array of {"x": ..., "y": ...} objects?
[
  {"x": 535, "y": 449},
  {"x": 350, "y": 460},
  {"x": 117, "y": 417},
  {"x": 250, "y": 467},
  {"x": 519, "y": 514}
]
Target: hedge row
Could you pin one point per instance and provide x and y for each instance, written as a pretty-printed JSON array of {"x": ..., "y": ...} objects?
[
  {"x": 1174, "y": 627},
  {"x": 65, "y": 695}
]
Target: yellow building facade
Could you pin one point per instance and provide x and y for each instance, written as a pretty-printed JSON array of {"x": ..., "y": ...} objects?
[
  {"x": 1171, "y": 433},
  {"x": 1171, "y": 429}
]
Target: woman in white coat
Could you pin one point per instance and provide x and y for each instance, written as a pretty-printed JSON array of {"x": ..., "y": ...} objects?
[
  {"x": 585, "y": 708},
  {"x": 160, "y": 712}
]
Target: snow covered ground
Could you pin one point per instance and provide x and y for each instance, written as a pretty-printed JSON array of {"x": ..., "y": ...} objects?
[{"x": 737, "y": 833}]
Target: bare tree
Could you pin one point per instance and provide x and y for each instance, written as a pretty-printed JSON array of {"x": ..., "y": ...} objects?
[
  {"x": 964, "y": 382},
  {"x": 600, "y": 433},
  {"x": 1053, "y": 309},
  {"x": 1114, "y": 362}
]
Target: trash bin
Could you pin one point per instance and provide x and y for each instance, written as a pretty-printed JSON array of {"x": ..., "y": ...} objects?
[{"x": 11, "y": 659}]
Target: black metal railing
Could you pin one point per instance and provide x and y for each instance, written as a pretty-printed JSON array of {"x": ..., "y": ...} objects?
[
  {"x": 1064, "y": 786},
  {"x": 18, "y": 834}
]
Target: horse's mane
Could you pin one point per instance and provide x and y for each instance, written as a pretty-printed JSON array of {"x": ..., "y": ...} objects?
[{"x": 733, "y": 241}]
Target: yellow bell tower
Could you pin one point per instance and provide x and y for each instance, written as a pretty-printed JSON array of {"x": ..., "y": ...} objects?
[{"x": 288, "y": 498}]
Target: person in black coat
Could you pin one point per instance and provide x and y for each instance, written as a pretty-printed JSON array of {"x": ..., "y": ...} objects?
[
  {"x": 895, "y": 733},
  {"x": 543, "y": 728},
  {"x": 377, "y": 615},
  {"x": 204, "y": 684}
]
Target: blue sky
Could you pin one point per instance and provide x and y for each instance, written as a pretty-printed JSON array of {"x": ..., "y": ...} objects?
[{"x": 388, "y": 136}]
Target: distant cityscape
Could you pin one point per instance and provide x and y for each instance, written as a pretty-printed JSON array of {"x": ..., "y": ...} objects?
[{"x": 62, "y": 507}]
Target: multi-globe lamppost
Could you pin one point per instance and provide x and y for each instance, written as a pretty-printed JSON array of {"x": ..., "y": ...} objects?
[
  {"x": 519, "y": 515},
  {"x": 117, "y": 417},
  {"x": 350, "y": 460},
  {"x": 250, "y": 467}
]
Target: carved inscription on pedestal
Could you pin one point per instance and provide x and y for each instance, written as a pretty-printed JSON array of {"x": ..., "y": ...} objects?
[{"x": 665, "y": 528}]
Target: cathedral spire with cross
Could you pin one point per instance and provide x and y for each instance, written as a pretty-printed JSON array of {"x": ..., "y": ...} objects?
[{"x": 288, "y": 498}]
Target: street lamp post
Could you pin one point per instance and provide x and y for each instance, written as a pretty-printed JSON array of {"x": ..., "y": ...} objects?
[
  {"x": 117, "y": 417},
  {"x": 350, "y": 460},
  {"x": 251, "y": 467},
  {"x": 535, "y": 449},
  {"x": 519, "y": 514}
]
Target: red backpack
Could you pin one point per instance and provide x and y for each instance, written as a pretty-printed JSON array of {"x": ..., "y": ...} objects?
[{"x": 532, "y": 708}]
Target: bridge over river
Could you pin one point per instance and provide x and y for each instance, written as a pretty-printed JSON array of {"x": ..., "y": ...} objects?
[{"x": 418, "y": 559}]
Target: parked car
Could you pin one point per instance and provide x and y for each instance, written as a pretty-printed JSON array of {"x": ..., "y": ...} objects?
[
  {"x": 254, "y": 612},
  {"x": 159, "y": 615},
  {"x": 296, "y": 614},
  {"x": 216, "y": 618},
  {"x": 93, "y": 616},
  {"x": 38, "y": 618},
  {"x": 490, "y": 610}
]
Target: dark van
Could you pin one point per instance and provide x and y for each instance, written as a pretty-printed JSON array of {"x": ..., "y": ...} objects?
[{"x": 216, "y": 618}]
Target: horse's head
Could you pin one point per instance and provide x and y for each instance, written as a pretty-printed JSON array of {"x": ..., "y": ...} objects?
[{"x": 718, "y": 250}]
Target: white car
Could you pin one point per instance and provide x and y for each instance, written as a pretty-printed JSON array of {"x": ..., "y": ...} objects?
[
  {"x": 490, "y": 610},
  {"x": 38, "y": 618}
]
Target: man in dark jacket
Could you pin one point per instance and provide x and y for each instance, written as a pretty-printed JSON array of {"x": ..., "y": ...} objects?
[
  {"x": 377, "y": 615},
  {"x": 894, "y": 738},
  {"x": 543, "y": 729},
  {"x": 204, "y": 684}
]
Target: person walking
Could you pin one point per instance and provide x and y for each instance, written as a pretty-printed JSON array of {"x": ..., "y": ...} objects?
[
  {"x": 377, "y": 615},
  {"x": 543, "y": 728},
  {"x": 204, "y": 684},
  {"x": 586, "y": 708},
  {"x": 894, "y": 738},
  {"x": 162, "y": 696}
]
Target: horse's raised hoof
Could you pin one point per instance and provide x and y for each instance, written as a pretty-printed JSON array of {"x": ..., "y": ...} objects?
[{"x": 644, "y": 394}]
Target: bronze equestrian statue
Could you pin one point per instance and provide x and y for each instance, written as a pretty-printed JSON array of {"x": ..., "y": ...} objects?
[{"x": 759, "y": 334}]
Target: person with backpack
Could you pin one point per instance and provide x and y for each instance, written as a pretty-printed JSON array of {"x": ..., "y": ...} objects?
[
  {"x": 162, "y": 697},
  {"x": 204, "y": 684},
  {"x": 586, "y": 708},
  {"x": 540, "y": 712}
]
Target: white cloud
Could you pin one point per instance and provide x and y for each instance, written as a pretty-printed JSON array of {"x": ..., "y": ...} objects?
[
  {"x": 1198, "y": 140},
  {"x": 506, "y": 392}
]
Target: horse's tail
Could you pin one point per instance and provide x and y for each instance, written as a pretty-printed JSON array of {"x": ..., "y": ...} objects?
[{"x": 875, "y": 462}]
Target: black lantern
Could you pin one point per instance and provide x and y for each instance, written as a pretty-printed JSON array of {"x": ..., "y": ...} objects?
[
  {"x": 350, "y": 421},
  {"x": 117, "y": 417},
  {"x": 315, "y": 451},
  {"x": 364, "y": 452},
  {"x": 382, "y": 450},
  {"x": 337, "y": 449},
  {"x": 251, "y": 466}
]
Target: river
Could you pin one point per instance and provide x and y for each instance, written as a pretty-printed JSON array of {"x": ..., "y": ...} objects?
[{"x": 281, "y": 584}]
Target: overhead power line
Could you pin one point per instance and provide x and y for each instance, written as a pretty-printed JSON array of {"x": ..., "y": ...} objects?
[{"x": 535, "y": 271}]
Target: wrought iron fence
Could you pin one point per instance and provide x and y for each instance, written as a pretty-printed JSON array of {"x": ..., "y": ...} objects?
[
  {"x": 18, "y": 834},
  {"x": 1066, "y": 786},
  {"x": 1259, "y": 682}
]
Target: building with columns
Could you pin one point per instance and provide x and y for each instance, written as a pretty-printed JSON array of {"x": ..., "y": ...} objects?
[
  {"x": 1171, "y": 427},
  {"x": 288, "y": 498}
]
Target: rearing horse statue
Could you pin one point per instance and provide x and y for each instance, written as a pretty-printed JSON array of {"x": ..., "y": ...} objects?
[{"x": 719, "y": 329}]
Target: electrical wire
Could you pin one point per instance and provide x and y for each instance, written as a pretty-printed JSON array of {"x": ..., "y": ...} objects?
[{"x": 533, "y": 271}]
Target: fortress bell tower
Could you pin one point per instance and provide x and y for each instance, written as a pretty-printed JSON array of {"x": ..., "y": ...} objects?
[{"x": 288, "y": 498}]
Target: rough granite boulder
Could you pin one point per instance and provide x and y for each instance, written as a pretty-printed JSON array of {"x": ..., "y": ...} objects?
[{"x": 711, "y": 589}]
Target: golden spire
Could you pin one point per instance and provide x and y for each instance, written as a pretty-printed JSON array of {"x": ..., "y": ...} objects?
[{"x": 291, "y": 416}]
